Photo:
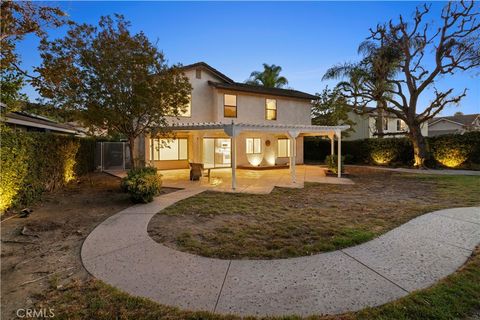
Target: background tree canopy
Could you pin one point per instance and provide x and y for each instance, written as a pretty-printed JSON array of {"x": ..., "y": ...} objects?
[
  {"x": 270, "y": 77},
  {"x": 116, "y": 81},
  {"x": 331, "y": 109},
  {"x": 17, "y": 19}
]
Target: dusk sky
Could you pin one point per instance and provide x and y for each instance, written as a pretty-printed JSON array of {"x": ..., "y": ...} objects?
[{"x": 304, "y": 38}]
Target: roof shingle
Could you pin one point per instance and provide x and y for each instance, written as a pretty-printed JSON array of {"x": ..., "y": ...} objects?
[{"x": 259, "y": 89}]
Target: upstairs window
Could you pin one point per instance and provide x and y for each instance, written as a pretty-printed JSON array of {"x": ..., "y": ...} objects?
[
  {"x": 198, "y": 73},
  {"x": 271, "y": 109},
  {"x": 254, "y": 145},
  {"x": 400, "y": 125},
  {"x": 385, "y": 124},
  {"x": 229, "y": 106},
  {"x": 283, "y": 147}
]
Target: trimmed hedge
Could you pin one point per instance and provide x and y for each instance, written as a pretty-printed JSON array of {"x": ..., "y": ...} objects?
[
  {"x": 34, "y": 162},
  {"x": 449, "y": 151}
]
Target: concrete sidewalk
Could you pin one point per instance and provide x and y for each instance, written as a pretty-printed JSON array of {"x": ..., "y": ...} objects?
[{"x": 410, "y": 257}]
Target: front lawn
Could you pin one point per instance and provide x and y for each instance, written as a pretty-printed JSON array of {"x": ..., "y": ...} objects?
[{"x": 298, "y": 222}]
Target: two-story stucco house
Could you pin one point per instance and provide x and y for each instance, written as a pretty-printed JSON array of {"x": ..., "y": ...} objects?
[
  {"x": 366, "y": 125},
  {"x": 235, "y": 125}
]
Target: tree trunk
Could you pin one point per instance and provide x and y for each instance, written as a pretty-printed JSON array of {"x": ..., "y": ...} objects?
[
  {"x": 131, "y": 144},
  {"x": 379, "y": 120},
  {"x": 420, "y": 149}
]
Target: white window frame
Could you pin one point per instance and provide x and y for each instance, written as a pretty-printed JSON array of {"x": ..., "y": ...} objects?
[
  {"x": 280, "y": 152},
  {"x": 225, "y": 105},
  {"x": 267, "y": 109},
  {"x": 256, "y": 142},
  {"x": 156, "y": 155}
]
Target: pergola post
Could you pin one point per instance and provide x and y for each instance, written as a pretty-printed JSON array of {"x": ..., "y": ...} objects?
[
  {"x": 339, "y": 154},
  {"x": 234, "y": 162},
  {"x": 293, "y": 154},
  {"x": 232, "y": 131},
  {"x": 332, "y": 144}
]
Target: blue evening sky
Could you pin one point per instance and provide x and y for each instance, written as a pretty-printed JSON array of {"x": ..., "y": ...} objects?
[{"x": 305, "y": 38}]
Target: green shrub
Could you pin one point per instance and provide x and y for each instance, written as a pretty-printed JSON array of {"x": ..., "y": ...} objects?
[
  {"x": 34, "y": 162},
  {"x": 142, "y": 184},
  {"x": 452, "y": 151},
  {"x": 332, "y": 164}
]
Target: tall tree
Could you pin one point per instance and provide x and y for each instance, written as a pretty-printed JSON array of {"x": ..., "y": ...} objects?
[
  {"x": 370, "y": 74},
  {"x": 117, "y": 81},
  {"x": 427, "y": 54},
  {"x": 19, "y": 18},
  {"x": 270, "y": 77},
  {"x": 331, "y": 109}
]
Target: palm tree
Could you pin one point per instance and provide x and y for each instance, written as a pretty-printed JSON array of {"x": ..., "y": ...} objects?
[
  {"x": 370, "y": 75},
  {"x": 269, "y": 77}
]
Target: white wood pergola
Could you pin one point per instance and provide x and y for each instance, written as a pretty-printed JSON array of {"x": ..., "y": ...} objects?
[{"x": 292, "y": 131}]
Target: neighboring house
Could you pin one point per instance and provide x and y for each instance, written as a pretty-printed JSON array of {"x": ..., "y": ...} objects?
[
  {"x": 30, "y": 122},
  {"x": 457, "y": 124},
  {"x": 230, "y": 124},
  {"x": 366, "y": 125}
]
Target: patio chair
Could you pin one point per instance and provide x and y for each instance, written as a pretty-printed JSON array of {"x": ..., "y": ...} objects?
[{"x": 196, "y": 171}]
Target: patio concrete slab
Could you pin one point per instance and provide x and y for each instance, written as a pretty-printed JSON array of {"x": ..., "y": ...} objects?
[
  {"x": 327, "y": 283},
  {"x": 413, "y": 256}
]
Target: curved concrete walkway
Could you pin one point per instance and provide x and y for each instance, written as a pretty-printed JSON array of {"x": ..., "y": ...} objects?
[{"x": 413, "y": 256}]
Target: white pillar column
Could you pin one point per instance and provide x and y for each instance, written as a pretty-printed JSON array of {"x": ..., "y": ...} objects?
[
  {"x": 293, "y": 155},
  {"x": 332, "y": 144},
  {"x": 339, "y": 154},
  {"x": 234, "y": 162},
  {"x": 232, "y": 131}
]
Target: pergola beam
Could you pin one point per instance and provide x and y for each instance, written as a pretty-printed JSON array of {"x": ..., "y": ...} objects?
[{"x": 292, "y": 131}]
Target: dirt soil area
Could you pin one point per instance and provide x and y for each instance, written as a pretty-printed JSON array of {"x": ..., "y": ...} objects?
[
  {"x": 42, "y": 252},
  {"x": 299, "y": 222}
]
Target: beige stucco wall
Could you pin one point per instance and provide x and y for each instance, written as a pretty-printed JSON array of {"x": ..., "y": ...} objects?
[
  {"x": 207, "y": 105},
  {"x": 251, "y": 109},
  {"x": 268, "y": 156},
  {"x": 202, "y": 99}
]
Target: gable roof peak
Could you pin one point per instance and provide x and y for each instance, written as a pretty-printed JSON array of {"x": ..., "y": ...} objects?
[{"x": 208, "y": 67}]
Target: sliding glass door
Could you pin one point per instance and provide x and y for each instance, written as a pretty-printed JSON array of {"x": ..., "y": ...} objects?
[{"x": 216, "y": 152}]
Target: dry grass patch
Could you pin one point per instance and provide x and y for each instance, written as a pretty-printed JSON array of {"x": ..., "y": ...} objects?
[
  {"x": 43, "y": 250},
  {"x": 299, "y": 222}
]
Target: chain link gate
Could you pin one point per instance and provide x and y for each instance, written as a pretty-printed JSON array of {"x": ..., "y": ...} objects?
[{"x": 112, "y": 156}]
